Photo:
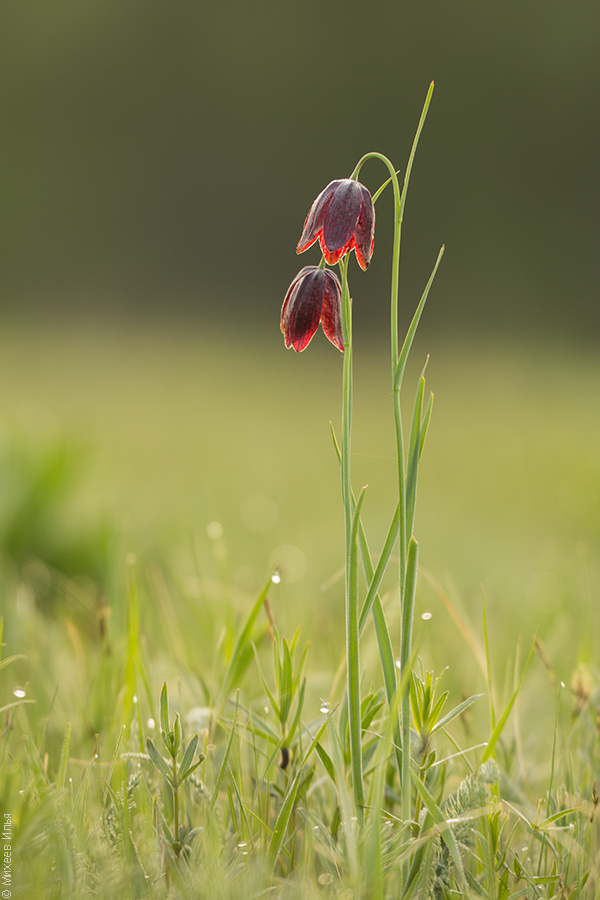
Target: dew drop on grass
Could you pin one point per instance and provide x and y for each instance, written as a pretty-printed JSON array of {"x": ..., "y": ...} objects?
[
  {"x": 151, "y": 724},
  {"x": 398, "y": 664},
  {"x": 19, "y": 692},
  {"x": 325, "y": 707},
  {"x": 426, "y": 616},
  {"x": 214, "y": 530},
  {"x": 135, "y": 699},
  {"x": 275, "y": 577},
  {"x": 325, "y": 878}
]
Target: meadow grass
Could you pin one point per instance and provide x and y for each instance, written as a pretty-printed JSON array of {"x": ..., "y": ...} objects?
[{"x": 152, "y": 480}]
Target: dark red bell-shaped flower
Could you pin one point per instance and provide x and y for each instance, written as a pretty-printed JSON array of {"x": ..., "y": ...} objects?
[
  {"x": 342, "y": 218},
  {"x": 315, "y": 295}
]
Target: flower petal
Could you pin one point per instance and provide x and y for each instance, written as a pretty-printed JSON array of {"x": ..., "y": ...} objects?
[
  {"x": 314, "y": 220},
  {"x": 364, "y": 232},
  {"x": 302, "y": 307},
  {"x": 342, "y": 214},
  {"x": 331, "y": 315}
]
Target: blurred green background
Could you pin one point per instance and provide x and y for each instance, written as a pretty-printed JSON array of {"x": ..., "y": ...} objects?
[
  {"x": 157, "y": 161},
  {"x": 161, "y": 157}
]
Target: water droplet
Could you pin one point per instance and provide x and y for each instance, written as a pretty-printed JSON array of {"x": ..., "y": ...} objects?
[
  {"x": 214, "y": 530},
  {"x": 135, "y": 699},
  {"x": 151, "y": 724},
  {"x": 19, "y": 692},
  {"x": 267, "y": 709},
  {"x": 325, "y": 878},
  {"x": 398, "y": 664},
  {"x": 242, "y": 844},
  {"x": 325, "y": 707},
  {"x": 426, "y": 616},
  {"x": 275, "y": 577}
]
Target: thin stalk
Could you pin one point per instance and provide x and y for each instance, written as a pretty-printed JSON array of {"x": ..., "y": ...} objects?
[
  {"x": 177, "y": 847},
  {"x": 351, "y": 562},
  {"x": 405, "y": 661},
  {"x": 395, "y": 282}
]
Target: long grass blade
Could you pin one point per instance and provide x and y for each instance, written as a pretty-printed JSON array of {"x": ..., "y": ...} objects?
[
  {"x": 225, "y": 759},
  {"x": 410, "y": 334},
  {"x": 439, "y": 819},
  {"x": 288, "y": 803},
  {"x": 500, "y": 726},
  {"x": 241, "y": 645}
]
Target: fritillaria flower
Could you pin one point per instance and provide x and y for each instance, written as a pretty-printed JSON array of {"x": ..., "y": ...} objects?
[
  {"x": 313, "y": 296},
  {"x": 342, "y": 219}
]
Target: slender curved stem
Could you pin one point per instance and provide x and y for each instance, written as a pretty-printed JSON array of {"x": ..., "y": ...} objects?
[{"x": 351, "y": 564}]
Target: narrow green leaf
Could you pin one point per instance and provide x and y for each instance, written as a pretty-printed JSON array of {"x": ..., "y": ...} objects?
[
  {"x": 446, "y": 832},
  {"x": 241, "y": 644},
  {"x": 555, "y": 817},
  {"x": 159, "y": 761},
  {"x": 410, "y": 334},
  {"x": 11, "y": 659},
  {"x": 176, "y": 734},
  {"x": 499, "y": 727},
  {"x": 113, "y": 762},
  {"x": 413, "y": 150},
  {"x": 455, "y": 712},
  {"x": 285, "y": 692},
  {"x": 375, "y": 579},
  {"x": 164, "y": 710},
  {"x": 288, "y": 803},
  {"x": 14, "y": 703},
  {"x": 64, "y": 758},
  {"x": 425, "y": 425},
  {"x": 188, "y": 756},
  {"x": 380, "y": 190},
  {"x": 298, "y": 714},
  {"x": 408, "y": 608},
  {"x": 263, "y": 681},
  {"x": 488, "y": 667},
  {"x": 326, "y": 760},
  {"x": 413, "y": 455},
  {"x": 225, "y": 756}
]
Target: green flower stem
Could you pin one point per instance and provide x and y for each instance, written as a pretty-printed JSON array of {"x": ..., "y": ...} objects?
[
  {"x": 395, "y": 281},
  {"x": 408, "y": 611},
  {"x": 408, "y": 551},
  {"x": 351, "y": 561}
]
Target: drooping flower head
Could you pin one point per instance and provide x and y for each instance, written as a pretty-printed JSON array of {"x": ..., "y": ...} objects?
[
  {"x": 342, "y": 219},
  {"x": 314, "y": 296}
]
